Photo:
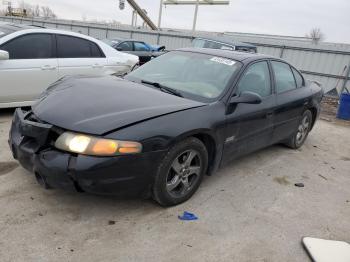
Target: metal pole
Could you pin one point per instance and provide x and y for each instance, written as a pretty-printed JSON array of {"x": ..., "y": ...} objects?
[
  {"x": 160, "y": 13},
  {"x": 195, "y": 16},
  {"x": 132, "y": 18},
  {"x": 141, "y": 13}
]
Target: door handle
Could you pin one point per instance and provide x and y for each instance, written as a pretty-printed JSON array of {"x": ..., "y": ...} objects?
[{"x": 48, "y": 67}]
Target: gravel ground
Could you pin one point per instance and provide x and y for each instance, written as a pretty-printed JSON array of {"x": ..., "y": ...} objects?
[{"x": 248, "y": 211}]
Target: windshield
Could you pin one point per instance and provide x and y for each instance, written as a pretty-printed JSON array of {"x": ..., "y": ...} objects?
[{"x": 197, "y": 76}]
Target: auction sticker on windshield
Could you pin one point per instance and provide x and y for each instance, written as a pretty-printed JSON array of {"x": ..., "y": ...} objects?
[{"x": 223, "y": 61}]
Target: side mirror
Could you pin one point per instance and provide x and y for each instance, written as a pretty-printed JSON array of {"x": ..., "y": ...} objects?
[
  {"x": 4, "y": 55},
  {"x": 119, "y": 48},
  {"x": 246, "y": 98}
]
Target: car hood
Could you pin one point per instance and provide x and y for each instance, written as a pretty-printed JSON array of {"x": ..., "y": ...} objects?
[{"x": 98, "y": 105}]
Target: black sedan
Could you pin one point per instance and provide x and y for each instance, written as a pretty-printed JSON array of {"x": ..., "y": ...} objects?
[
  {"x": 157, "y": 132},
  {"x": 144, "y": 51}
]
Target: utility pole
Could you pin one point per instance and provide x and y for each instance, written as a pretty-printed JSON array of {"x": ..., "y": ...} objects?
[
  {"x": 160, "y": 13},
  {"x": 195, "y": 17},
  {"x": 196, "y": 3}
]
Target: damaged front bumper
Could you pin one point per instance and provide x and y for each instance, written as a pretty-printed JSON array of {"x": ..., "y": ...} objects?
[{"x": 32, "y": 144}]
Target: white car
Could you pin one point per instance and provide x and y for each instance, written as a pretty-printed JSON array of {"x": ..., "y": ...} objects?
[{"x": 32, "y": 58}]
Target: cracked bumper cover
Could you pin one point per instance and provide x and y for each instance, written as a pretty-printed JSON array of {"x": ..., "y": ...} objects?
[{"x": 119, "y": 175}]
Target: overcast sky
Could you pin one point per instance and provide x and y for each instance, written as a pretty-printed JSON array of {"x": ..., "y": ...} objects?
[{"x": 281, "y": 17}]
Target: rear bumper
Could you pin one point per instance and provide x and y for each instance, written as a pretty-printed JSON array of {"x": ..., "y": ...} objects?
[{"x": 120, "y": 175}]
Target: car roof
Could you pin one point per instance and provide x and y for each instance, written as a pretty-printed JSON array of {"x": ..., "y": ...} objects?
[
  {"x": 234, "y": 55},
  {"x": 39, "y": 29},
  {"x": 226, "y": 40},
  {"x": 8, "y": 28},
  {"x": 120, "y": 39}
]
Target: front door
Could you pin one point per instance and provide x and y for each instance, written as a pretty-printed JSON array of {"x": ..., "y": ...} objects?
[
  {"x": 30, "y": 69},
  {"x": 250, "y": 126}
]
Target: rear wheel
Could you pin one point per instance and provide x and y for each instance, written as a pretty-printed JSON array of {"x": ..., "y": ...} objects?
[
  {"x": 299, "y": 136},
  {"x": 181, "y": 172}
]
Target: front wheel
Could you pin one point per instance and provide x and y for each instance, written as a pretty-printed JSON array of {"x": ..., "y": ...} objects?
[
  {"x": 181, "y": 172},
  {"x": 299, "y": 136}
]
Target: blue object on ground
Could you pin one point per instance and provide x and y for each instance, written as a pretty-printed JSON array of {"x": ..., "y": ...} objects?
[
  {"x": 188, "y": 216},
  {"x": 344, "y": 107}
]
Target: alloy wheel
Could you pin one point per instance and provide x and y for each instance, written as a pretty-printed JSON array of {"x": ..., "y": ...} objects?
[
  {"x": 303, "y": 129},
  {"x": 184, "y": 173}
]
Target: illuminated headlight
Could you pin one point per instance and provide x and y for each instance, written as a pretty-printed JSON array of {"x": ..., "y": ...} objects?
[{"x": 90, "y": 145}]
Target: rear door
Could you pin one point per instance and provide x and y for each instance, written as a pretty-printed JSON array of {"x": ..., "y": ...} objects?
[
  {"x": 250, "y": 126},
  {"x": 32, "y": 67},
  {"x": 292, "y": 98},
  {"x": 78, "y": 56}
]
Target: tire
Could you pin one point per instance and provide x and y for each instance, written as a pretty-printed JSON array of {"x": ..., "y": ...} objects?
[
  {"x": 180, "y": 172},
  {"x": 300, "y": 134}
]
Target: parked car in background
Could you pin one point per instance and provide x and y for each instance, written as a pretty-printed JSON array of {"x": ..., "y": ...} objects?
[
  {"x": 225, "y": 43},
  {"x": 32, "y": 58},
  {"x": 144, "y": 51},
  {"x": 167, "y": 124}
]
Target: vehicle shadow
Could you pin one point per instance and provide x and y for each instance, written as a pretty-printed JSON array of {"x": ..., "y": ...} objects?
[
  {"x": 137, "y": 204},
  {"x": 6, "y": 112}
]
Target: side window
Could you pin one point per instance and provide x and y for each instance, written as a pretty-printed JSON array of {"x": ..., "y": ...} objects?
[
  {"x": 298, "y": 78},
  {"x": 198, "y": 43},
  {"x": 31, "y": 46},
  {"x": 140, "y": 46},
  {"x": 125, "y": 46},
  {"x": 284, "y": 77},
  {"x": 75, "y": 47},
  {"x": 256, "y": 79},
  {"x": 213, "y": 45}
]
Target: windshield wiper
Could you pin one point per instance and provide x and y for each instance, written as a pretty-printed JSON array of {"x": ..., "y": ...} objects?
[{"x": 162, "y": 88}]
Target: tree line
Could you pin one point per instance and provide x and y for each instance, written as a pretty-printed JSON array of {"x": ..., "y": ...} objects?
[{"x": 31, "y": 10}]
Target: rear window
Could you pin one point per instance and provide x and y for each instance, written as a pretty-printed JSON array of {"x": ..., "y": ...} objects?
[
  {"x": 283, "y": 76},
  {"x": 298, "y": 78},
  {"x": 75, "y": 47}
]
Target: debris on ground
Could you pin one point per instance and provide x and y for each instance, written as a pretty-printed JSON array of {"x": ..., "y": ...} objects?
[
  {"x": 281, "y": 180},
  {"x": 299, "y": 184},
  {"x": 111, "y": 222},
  {"x": 188, "y": 216},
  {"x": 329, "y": 107},
  {"x": 322, "y": 250},
  {"x": 325, "y": 178}
]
